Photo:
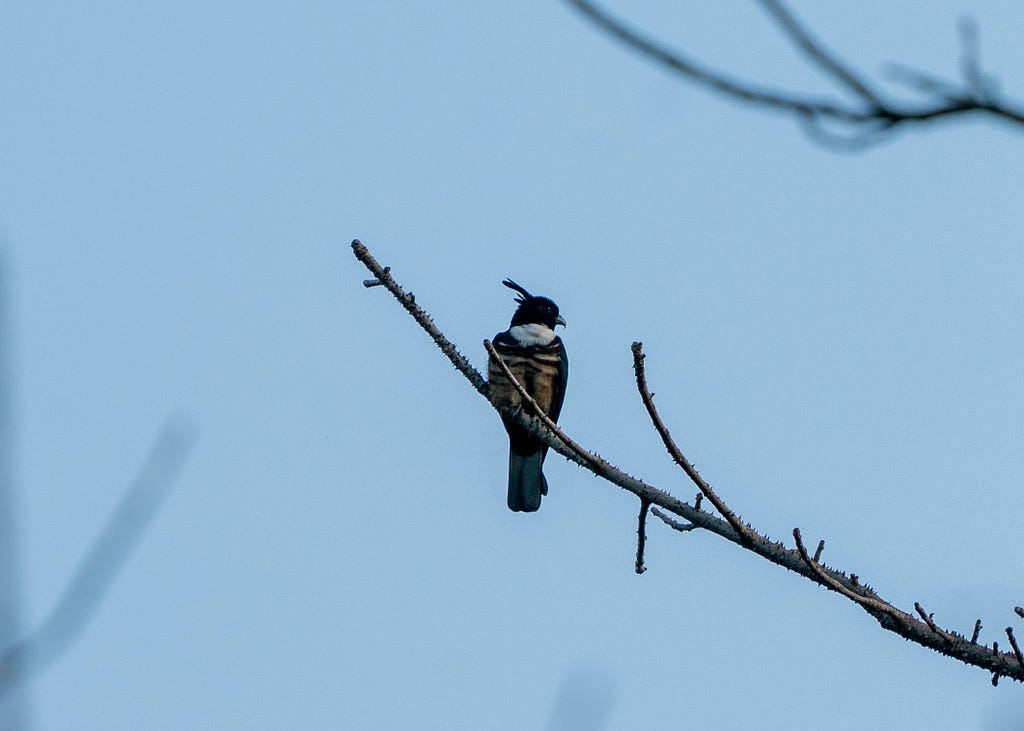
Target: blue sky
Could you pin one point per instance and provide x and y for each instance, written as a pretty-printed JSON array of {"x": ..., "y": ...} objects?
[{"x": 833, "y": 340}]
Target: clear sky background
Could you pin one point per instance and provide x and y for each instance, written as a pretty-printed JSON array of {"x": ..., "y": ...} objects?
[{"x": 834, "y": 340}]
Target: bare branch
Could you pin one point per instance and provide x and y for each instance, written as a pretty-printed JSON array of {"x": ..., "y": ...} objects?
[
  {"x": 926, "y": 634},
  {"x": 99, "y": 566},
  {"x": 867, "y": 117}
]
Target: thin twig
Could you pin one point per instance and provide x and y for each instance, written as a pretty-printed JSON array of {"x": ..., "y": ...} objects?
[
  {"x": 641, "y": 536},
  {"x": 677, "y": 456},
  {"x": 931, "y": 623},
  {"x": 970, "y": 57},
  {"x": 817, "y": 53},
  {"x": 923, "y": 82},
  {"x": 977, "y": 631},
  {"x": 674, "y": 524},
  {"x": 868, "y": 602},
  {"x": 1013, "y": 644},
  {"x": 818, "y": 550}
]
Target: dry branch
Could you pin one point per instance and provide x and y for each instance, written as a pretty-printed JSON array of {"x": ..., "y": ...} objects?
[{"x": 925, "y": 633}]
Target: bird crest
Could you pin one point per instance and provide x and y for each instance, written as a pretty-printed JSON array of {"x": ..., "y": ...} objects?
[{"x": 524, "y": 295}]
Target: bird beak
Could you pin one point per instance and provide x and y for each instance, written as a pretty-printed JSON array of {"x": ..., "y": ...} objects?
[{"x": 560, "y": 321}]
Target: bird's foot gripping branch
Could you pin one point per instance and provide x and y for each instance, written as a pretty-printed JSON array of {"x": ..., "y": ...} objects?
[{"x": 531, "y": 417}]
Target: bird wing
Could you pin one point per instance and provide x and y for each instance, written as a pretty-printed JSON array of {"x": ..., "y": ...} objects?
[{"x": 561, "y": 380}]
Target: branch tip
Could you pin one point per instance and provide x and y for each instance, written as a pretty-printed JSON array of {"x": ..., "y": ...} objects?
[
  {"x": 1016, "y": 649},
  {"x": 818, "y": 550}
]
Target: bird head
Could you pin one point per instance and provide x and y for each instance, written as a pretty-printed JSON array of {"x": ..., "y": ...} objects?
[{"x": 534, "y": 310}]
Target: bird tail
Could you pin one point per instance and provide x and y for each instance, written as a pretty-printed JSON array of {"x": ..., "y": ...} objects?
[{"x": 526, "y": 482}]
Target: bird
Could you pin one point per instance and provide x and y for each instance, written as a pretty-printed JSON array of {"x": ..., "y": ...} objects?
[{"x": 537, "y": 359}]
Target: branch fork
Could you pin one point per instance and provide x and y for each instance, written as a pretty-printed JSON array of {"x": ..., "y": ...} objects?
[{"x": 864, "y": 117}]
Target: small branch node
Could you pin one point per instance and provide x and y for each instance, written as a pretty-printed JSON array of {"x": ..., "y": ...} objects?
[{"x": 977, "y": 631}]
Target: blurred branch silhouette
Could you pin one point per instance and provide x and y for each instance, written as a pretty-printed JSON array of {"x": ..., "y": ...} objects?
[
  {"x": 14, "y": 708},
  {"x": 923, "y": 631},
  {"x": 865, "y": 116},
  {"x": 99, "y": 566}
]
